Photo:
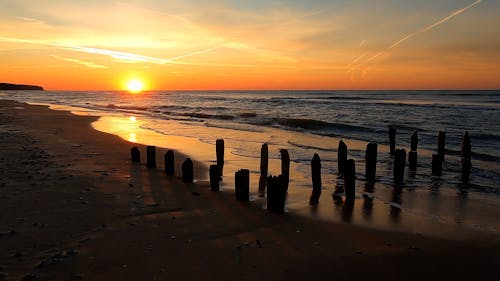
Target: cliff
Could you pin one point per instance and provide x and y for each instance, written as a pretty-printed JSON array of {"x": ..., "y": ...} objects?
[{"x": 7, "y": 86}]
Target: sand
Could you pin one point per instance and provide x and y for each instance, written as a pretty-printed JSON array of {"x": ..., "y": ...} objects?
[{"x": 73, "y": 207}]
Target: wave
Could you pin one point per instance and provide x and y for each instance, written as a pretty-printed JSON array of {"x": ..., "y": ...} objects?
[
  {"x": 305, "y": 146},
  {"x": 311, "y": 124},
  {"x": 126, "y": 107}
]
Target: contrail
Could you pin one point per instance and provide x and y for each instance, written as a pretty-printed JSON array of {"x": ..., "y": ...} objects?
[{"x": 423, "y": 30}]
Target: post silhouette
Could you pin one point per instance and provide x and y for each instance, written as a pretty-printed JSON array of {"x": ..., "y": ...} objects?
[
  {"x": 242, "y": 184},
  {"x": 466, "y": 157},
  {"x": 169, "y": 163},
  {"x": 414, "y": 140},
  {"x": 187, "y": 171},
  {"x": 214, "y": 177},
  {"x": 436, "y": 165},
  {"x": 392, "y": 139},
  {"x": 264, "y": 164},
  {"x": 151, "y": 156},
  {"x": 371, "y": 161},
  {"x": 441, "y": 144},
  {"x": 350, "y": 180},
  {"x": 341, "y": 157},
  {"x": 219, "y": 151},
  {"x": 285, "y": 167},
  {"x": 399, "y": 166},
  {"x": 316, "y": 179},
  {"x": 276, "y": 194},
  {"x": 135, "y": 154},
  {"x": 412, "y": 160}
]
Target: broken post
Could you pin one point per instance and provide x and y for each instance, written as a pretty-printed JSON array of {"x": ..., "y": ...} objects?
[
  {"x": 151, "y": 156},
  {"x": 341, "y": 156},
  {"x": 219, "y": 151},
  {"x": 264, "y": 164},
  {"x": 441, "y": 144},
  {"x": 214, "y": 177},
  {"x": 350, "y": 180},
  {"x": 412, "y": 160},
  {"x": 316, "y": 179},
  {"x": 242, "y": 185},
  {"x": 135, "y": 154},
  {"x": 276, "y": 194},
  {"x": 392, "y": 139},
  {"x": 414, "y": 140},
  {"x": 187, "y": 170},
  {"x": 285, "y": 167},
  {"x": 169, "y": 163},
  {"x": 371, "y": 161},
  {"x": 466, "y": 157},
  {"x": 399, "y": 166},
  {"x": 436, "y": 165}
]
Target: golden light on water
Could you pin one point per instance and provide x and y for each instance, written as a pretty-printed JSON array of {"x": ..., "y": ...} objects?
[{"x": 135, "y": 86}]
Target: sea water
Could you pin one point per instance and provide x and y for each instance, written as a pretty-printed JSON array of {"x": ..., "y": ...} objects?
[{"x": 308, "y": 122}]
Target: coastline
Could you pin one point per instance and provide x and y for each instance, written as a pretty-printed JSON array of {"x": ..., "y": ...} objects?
[{"x": 96, "y": 216}]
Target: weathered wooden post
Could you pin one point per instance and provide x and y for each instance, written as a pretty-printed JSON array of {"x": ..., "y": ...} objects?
[
  {"x": 436, "y": 165},
  {"x": 169, "y": 162},
  {"x": 399, "y": 166},
  {"x": 285, "y": 167},
  {"x": 371, "y": 161},
  {"x": 264, "y": 164},
  {"x": 412, "y": 160},
  {"x": 135, "y": 154},
  {"x": 341, "y": 156},
  {"x": 350, "y": 180},
  {"x": 316, "y": 179},
  {"x": 214, "y": 177},
  {"x": 187, "y": 170},
  {"x": 441, "y": 144},
  {"x": 219, "y": 150},
  {"x": 466, "y": 157},
  {"x": 242, "y": 185},
  {"x": 151, "y": 156},
  {"x": 276, "y": 194},
  {"x": 414, "y": 140},
  {"x": 392, "y": 139}
]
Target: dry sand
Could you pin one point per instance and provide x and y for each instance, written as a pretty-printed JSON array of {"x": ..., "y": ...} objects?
[{"x": 73, "y": 207}]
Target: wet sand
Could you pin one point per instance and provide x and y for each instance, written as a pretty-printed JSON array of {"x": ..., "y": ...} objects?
[{"x": 73, "y": 207}]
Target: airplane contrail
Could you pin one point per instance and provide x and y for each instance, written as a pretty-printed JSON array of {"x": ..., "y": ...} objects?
[{"x": 418, "y": 32}]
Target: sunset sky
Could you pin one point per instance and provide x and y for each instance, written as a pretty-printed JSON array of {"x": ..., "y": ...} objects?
[{"x": 198, "y": 44}]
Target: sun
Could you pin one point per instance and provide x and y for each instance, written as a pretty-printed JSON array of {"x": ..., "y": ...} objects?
[{"x": 135, "y": 86}]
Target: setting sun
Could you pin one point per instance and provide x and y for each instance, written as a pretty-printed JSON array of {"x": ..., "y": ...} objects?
[{"x": 135, "y": 86}]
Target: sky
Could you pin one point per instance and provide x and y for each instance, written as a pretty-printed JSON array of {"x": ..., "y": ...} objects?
[{"x": 238, "y": 44}]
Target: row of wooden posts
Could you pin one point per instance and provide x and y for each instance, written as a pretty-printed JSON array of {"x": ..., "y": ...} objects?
[{"x": 277, "y": 186}]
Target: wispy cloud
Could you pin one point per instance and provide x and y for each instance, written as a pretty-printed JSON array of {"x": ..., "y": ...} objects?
[
  {"x": 357, "y": 63},
  {"x": 85, "y": 63}
]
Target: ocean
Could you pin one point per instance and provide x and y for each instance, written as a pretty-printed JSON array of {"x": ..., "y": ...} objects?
[{"x": 308, "y": 122}]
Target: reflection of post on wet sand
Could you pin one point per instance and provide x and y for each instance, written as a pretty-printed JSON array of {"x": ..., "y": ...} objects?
[
  {"x": 368, "y": 201},
  {"x": 396, "y": 203},
  {"x": 345, "y": 207},
  {"x": 461, "y": 208},
  {"x": 347, "y": 210}
]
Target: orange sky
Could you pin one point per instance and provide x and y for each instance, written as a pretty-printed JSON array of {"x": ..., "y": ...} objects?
[{"x": 91, "y": 45}]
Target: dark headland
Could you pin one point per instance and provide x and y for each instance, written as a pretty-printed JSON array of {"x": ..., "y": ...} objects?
[{"x": 7, "y": 86}]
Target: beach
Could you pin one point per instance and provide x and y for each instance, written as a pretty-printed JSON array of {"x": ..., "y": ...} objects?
[{"x": 75, "y": 208}]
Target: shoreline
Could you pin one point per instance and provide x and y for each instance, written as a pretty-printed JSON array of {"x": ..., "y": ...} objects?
[{"x": 79, "y": 184}]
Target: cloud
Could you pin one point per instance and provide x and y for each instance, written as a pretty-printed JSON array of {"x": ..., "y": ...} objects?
[{"x": 85, "y": 63}]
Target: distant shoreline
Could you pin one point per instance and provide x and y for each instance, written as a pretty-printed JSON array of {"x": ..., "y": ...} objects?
[{"x": 10, "y": 87}]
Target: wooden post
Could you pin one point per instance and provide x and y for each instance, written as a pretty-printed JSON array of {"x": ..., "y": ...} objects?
[
  {"x": 341, "y": 156},
  {"x": 371, "y": 161},
  {"x": 316, "y": 179},
  {"x": 135, "y": 154},
  {"x": 214, "y": 177},
  {"x": 392, "y": 139},
  {"x": 412, "y": 160},
  {"x": 242, "y": 185},
  {"x": 436, "y": 165},
  {"x": 414, "y": 140},
  {"x": 441, "y": 144},
  {"x": 285, "y": 167},
  {"x": 350, "y": 180},
  {"x": 151, "y": 156},
  {"x": 276, "y": 194},
  {"x": 187, "y": 170},
  {"x": 219, "y": 150},
  {"x": 466, "y": 157},
  {"x": 399, "y": 166},
  {"x": 264, "y": 164},
  {"x": 169, "y": 163}
]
